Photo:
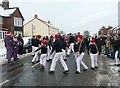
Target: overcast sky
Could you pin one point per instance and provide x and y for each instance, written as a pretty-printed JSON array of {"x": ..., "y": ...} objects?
[{"x": 71, "y": 15}]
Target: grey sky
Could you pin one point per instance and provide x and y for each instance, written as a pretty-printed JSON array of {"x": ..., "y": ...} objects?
[{"x": 71, "y": 15}]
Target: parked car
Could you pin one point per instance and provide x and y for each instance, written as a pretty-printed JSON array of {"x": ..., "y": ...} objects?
[{"x": 27, "y": 47}]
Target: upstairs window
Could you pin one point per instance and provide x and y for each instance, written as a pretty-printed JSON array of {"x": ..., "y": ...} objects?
[{"x": 17, "y": 21}]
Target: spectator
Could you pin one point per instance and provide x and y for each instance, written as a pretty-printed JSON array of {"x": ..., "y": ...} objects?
[
  {"x": 108, "y": 46},
  {"x": 116, "y": 48},
  {"x": 20, "y": 40}
]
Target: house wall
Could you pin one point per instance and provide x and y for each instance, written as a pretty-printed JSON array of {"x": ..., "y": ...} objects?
[
  {"x": 53, "y": 31},
  {"x": 39, "y": 28},
  {"x": 8, "y": 22}
]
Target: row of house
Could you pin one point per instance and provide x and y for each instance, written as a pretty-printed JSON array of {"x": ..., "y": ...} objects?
[
  {"x": 109, "y": 30},
  {"x": 11, "y": 19}
]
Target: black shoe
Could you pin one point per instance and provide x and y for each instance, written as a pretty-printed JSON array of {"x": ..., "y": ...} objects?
[
  {"x": 77, "y": 72},
  {"x": 84, "y": 69},
  {"x": 65, "y": 59},
  {"x": 33, "y": 55},
  {"x": 96, "y": 67},
  {"x": 66, "y": 71},
  {"x": 49, "y": 60},
  {"x": 92, "y": 68},
  {"x": 117, "y": 64},
  {"x": 68, "y": 56},
  {"x": 33, "y": 63},
  {"x": 51, "y": 72},
  {"x": 37, "y": 61}
]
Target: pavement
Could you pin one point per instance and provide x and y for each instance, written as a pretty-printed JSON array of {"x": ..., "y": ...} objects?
[{"x": 23, "y": 73}]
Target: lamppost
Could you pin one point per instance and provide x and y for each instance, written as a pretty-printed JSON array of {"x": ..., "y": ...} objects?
[{"x": 33, "y": 27}]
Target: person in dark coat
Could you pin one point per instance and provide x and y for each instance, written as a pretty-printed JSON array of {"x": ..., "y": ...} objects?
[
  {"x": 15, "y": 48},
  {"x": 49, "y": 48},
  {"x": 71, "y": 44},
  {"x": 116, "y": 49},
  {"x": 20, "y": 39},
  {"x": 10, "y": 49},
  {"x": 79, "y": 49},
  {"x": 64, "y": 46},
  {"x": 6, "y": 41},
  {"x": 99, "y": 45},
  {"x": 36, "y": 43},
  {"x": 87, "y": 41},
  {"x": 57, "y": 47},
  {"x": 43, "y": 56},
  {"x": 33, "y": 46},
  {"x": 93, "y": 50}
]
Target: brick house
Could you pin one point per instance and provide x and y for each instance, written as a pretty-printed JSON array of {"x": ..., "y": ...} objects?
[
  {"x": 104, "y": 30},
  {"x": 110, "y": 30},
  {"x": 11, "y": 19}
]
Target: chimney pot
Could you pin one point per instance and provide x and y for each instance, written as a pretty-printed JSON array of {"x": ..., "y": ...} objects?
[{"x": 36, "y": 16}]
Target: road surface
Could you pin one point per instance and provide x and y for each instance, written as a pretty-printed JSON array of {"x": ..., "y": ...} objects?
[{"x": 23, "y": 73}]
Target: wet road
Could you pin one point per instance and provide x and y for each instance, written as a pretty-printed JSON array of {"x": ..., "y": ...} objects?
[{"x": 23, "y": 73}]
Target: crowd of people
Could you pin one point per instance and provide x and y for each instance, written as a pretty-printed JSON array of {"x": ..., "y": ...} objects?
[
  {"x": 14, "y": 46},
  {"x": 58, "y": 47}
]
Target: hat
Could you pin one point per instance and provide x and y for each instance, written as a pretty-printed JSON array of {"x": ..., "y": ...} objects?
[
  {"x": 57, "y": 36},
  {"x": 8, "y": 33},
  {"x": 66, "y": 40},
  {"x": 15, "y": 36},
  {"x": 80, "y": 37},
  {"x": 39, "y": 36},
  {"x": 93, "y": 40},
  {"x": 51, "y": 37},
  {"x": 44, "y": 42}
]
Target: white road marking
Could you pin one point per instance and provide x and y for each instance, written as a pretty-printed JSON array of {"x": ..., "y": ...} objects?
[
  {"x": 4, "y": 82},
  {"x": 35, "y": 65}
]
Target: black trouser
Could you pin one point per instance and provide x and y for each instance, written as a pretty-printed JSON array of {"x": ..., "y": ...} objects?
[
  {"x": 99, "y": 49},
  {"x": 20, "y": 51},
  {"x": 107, "y": 51}
]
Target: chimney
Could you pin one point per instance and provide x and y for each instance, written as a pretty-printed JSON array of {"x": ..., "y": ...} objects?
[
  {"x": 5, "y": 4},
  {"x": 49, "y": 21},
  {"x": 36, "y": 16}
]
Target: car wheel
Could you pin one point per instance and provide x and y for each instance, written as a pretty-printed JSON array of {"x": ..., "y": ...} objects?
[{"x": 26, "y": 50}]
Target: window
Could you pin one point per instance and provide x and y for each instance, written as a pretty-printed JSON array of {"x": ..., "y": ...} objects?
[
  {"x": 17, "y": 21},
  {"x": 1, "y": 20},
  {"x": 2, "y": 34},
  {"x": 17, "y": 32}
]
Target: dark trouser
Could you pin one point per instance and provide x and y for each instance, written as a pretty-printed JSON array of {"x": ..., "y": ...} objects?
[
  {"x": 15, "y": 53},
  {"x": 9, "y": 54},
  {"x": 112, "y": 54},
  {"x": 107, "y": 52},
  {"x": 99, "y": 49},
  {"x": 20, "y": 51}
]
